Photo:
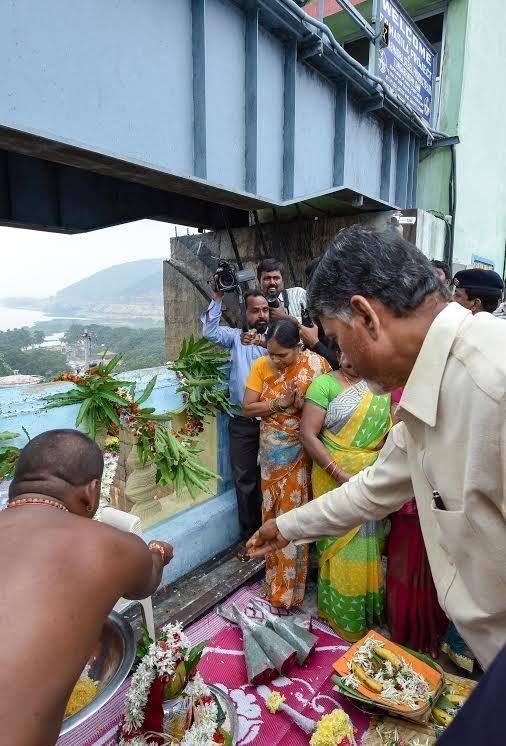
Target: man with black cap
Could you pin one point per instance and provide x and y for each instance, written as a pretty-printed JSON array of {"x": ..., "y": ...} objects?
[{"x": 478, "y": 289}]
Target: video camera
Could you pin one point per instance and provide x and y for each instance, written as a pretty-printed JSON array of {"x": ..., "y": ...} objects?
[{"x": 228, "y": 279}]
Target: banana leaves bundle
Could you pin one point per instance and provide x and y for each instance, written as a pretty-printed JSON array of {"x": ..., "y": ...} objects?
[
  {"x": 266, "y": 653},
  {"x": 301, "y": 639}
]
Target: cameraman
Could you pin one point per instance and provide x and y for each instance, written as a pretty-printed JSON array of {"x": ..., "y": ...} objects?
[
  {"x": 244, "y": 431},
  {"x": 283, "y": 303}
]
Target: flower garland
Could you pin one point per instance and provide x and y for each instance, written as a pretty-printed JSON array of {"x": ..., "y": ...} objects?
[
  {"x": 160, "y": 661},
  {"x": 204, "y": 730}
]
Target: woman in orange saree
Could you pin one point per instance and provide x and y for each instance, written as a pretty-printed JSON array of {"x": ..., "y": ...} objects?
[{"x": 275, "y": 392}]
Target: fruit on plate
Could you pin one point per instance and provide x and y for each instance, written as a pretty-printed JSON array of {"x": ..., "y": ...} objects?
[
  {"x": 365, "y": 679},
  {"x": 388, "y": 655},
  {"x": 441, "y": 717}
]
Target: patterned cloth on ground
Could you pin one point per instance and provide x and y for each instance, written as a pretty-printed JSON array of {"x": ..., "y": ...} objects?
[{"x": 309, "y": 689}]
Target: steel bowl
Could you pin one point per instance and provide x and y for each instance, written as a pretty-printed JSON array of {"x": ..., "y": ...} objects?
[{"x": 110, "y": 664}]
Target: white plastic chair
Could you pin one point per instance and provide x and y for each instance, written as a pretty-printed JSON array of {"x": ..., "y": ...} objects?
[{"x": 126, "y": 522}]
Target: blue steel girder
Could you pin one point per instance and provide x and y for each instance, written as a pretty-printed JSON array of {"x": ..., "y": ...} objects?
[{"x": 242, "y": 103}]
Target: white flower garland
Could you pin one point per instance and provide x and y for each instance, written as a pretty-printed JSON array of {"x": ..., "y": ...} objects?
[
  {"x": 160, "y": 660},
  {"x": 205, "y": 723},
  {"x": 205, "y": 715}
]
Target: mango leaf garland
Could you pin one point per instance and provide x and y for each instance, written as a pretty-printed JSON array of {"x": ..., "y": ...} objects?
[
  {"x": 99, "y": 395},
  {"x": 106, "y": 404},
  {"x": 200, "y": 369},
  {"x": 176, "y": 461}
]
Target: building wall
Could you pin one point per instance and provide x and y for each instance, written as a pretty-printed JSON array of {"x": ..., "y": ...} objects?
[
  {"x": 294, "y": 243},
  {"x": 480, "y": 227},
  {"x": 473, "y": 107},
  {"x": 435, "y": 164},
  {"x": 300, "y": 240}
]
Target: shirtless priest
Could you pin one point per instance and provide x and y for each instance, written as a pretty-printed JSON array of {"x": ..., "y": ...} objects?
[{"x": 61, "y": 575}]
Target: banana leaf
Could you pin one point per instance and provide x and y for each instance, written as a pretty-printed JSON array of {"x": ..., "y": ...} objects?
[
  {"x": 301, "y": 639},
  {"x": 280, "y": 652},
  {"x": 259, "y": 667}
]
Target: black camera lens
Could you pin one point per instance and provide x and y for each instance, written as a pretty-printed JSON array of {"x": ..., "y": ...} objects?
[{"x": 226, "y": 279}]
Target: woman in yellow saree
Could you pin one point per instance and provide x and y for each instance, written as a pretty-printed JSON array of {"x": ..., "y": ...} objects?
[{"x": 343, "y": 428}]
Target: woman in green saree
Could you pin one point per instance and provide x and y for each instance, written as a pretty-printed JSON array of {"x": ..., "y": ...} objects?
[{"x": 343, "y": 428}]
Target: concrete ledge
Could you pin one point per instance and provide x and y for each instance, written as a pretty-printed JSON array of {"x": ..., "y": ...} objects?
[{"x": 197, "y": 534}]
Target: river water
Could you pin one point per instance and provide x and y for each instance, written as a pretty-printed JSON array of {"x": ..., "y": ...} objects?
[{"x": 14, "y": 318}]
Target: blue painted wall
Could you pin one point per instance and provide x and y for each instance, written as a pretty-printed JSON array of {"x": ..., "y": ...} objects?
[{"x": 197, "y": 533}]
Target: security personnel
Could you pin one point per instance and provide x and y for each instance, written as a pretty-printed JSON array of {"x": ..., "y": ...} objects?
[{"x": 478, "y": 289}]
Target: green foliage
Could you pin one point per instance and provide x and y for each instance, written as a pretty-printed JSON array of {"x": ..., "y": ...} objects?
[
  {"x": 206, "y": 397},
  {"x": 143, "y": 644},
  {"x": 5, "y": 370},
  {"x": 203, "y": 380},
  {"x": 40, "y": 361},
  {"x": 22, "y": 337},
  {"x": 15, "y": 355},
  {"x": 9, "y": 454},
  {"x": 141, "y": 348},
  {"x": 200, "y": 359},
  {"x": 97, "y": 393},
  {"x": 176, "y": 461},
  {"x": 194, "y": 656}
]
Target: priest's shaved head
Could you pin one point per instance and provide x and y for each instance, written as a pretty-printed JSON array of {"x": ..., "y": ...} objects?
[
  {"x": 64, "y": 465},
  {"x": 65, "y": 574}
]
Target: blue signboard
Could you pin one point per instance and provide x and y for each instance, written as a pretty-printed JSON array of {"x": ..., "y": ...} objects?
[{"x": 406, "y": 61}]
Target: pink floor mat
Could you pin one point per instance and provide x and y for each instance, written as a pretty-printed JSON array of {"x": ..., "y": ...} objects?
[{"x": 308, "y": 690}]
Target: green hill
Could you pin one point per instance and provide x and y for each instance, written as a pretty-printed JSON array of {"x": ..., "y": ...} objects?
[
  {"x": 141, "y": 280},
  {"x": 122, "y": 292},
  {"x": 129, "y": 293}
]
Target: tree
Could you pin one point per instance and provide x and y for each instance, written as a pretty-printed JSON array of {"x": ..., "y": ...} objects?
[
  {"x": 37, "y": 362},
  {"x": 5, "y": 370}
]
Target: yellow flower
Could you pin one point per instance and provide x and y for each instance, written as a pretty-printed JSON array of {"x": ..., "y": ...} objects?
[
  {"x": 273, "y": 701},
  {"x": 332, "y": 729},
  {"x": 111, "y": 440}
]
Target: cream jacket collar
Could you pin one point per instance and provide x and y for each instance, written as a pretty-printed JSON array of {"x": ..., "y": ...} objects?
[{"x": 421, "y": 393}]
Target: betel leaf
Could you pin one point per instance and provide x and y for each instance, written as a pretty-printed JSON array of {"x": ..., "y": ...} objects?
[
  {"x": 144, "y": 643},
  {"x": 194, "y": 656},
  {"x": 221, "y": 715}
]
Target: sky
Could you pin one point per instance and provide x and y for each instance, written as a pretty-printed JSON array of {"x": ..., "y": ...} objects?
[{"x": 36, "y": 264}]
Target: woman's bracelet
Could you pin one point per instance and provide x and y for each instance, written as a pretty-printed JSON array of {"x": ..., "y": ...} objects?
[{"x": 332, "y": 472}]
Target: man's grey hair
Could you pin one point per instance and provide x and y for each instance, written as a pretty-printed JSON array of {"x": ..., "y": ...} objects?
[{"x": 380, "y": 266}]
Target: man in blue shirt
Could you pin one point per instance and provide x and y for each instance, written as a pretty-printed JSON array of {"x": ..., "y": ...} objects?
[{"x": 244, "y": 431}]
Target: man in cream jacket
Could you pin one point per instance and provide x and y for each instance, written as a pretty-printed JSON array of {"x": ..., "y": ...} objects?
[{"x": 379, "y": 298}]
